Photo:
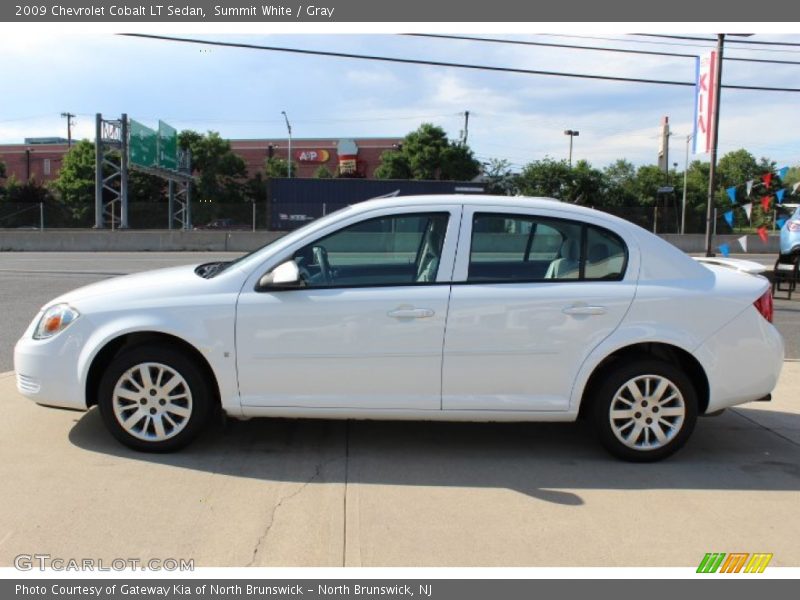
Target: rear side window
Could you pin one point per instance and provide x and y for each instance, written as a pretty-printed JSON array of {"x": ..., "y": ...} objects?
[
  {"x": 514, "y": 248},
  {"x": 605, "y": 254}
]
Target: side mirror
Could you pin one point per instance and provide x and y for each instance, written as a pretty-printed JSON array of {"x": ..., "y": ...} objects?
[{"x": 285, "y": 276}]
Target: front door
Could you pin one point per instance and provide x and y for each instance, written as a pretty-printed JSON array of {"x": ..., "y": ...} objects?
[{"x": 367, "y": 329}]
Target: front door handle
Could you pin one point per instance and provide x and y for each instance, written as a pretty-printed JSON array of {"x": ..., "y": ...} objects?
[
  {"x": 410, "y": 313},
  {"x": 584, "y": 309}
]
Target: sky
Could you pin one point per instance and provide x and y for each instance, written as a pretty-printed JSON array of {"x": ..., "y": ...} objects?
[{"x": 520, "y": 118}]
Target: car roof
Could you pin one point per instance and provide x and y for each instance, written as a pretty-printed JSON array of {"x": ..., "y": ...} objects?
[{"x": 488, "y": 201}]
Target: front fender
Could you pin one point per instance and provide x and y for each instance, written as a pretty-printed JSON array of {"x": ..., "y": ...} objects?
[{"x": 213, "y": 338}]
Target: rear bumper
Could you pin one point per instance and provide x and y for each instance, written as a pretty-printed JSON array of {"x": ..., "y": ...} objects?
[{"x": 743, "y": 361}]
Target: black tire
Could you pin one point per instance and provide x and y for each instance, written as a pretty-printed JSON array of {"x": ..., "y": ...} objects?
[
  {"x": 196, "y": 399},
  {"x": 675, "y": 429}
]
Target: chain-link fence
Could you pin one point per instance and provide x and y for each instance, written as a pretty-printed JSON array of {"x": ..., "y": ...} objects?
[
  {"x": 141, "y": 215},
  {"x": 286, "y": 216}
]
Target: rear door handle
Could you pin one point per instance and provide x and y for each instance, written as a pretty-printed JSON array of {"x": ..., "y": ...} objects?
[
  {"x": 583, "y": 309},
  {"x": 410, "y": 313}
]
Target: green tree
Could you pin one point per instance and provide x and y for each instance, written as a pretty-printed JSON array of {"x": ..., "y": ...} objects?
[
  {"x": 426, "y": 153},
  {"x": 545, "y": 177},
  {"x": 620, "y": 182},
  {"x": 256, "y": 188},
  {"x": 2, "y": 176},
  {"x": 221, "y": 171},
  {"x": 499, "y": 178},
  {"x": 586, "y": 185},
  {"x": 27, "y": 191},
  {"x": 143, "y": 187},
  {"x": 278, "y": 167},
  {"x": 323, "y": 173},
  {"x": 75, "y": 182}
]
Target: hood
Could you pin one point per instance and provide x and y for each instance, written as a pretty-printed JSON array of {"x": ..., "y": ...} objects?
[{"x": 138, "y": 287}]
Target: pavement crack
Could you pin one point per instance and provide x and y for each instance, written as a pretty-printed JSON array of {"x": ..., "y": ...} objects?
[
  {"x": 346, "y": 476},
  {"x": 263, "y": 537}
]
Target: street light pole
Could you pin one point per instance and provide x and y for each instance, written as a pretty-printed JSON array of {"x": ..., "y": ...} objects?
[
  {"x": 571, "y": 133},
  {"x": 685, "y": 171},
  {"x": 714, "y": 140},
  {"x": 289, "y": 129}
]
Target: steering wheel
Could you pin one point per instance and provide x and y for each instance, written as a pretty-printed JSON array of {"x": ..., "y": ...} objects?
[{"x": 321, "y": 258}]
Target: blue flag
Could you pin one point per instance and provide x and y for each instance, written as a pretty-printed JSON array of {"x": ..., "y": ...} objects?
[
  {"x": 781, "y": 222},
  {"x": 779, "y": 195},
  {"x": 729, "y": 218},
  {"x": 724, "y": 249},
  {"x": 732, "y": 194},
  {"x": 782, "y": 172}
]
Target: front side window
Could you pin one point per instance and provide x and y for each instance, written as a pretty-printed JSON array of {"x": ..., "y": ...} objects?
[
  {"x": 394, "y": 250},
  {"x": 514, "y": 248}
]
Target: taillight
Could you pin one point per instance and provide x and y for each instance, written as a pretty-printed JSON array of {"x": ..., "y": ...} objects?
[
  {"x": 764, "y": 305},
  {"x": 794, "y": 225}
]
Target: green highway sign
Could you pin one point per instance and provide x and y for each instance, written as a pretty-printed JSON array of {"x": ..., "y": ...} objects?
[
  {"x": 167, "y": 146},
  {"x": 143, "y": 145}
]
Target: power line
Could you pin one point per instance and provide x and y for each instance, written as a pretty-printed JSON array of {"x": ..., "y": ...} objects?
[
  {"x": 594, "y": 48},
  {"x": 411, "y": 61},
  {"x": 660, "y": 43},
  {"x": 727, "y": 40},
  {"x": 547, "y": 44}
]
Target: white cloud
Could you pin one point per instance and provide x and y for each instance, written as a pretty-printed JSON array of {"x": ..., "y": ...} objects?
[{"x": 241, "y": 93}]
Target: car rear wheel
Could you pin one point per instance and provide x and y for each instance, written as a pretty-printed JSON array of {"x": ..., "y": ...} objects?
[
  {"x": 154, "y": 399},
  {"x": 645, "y": 410}
]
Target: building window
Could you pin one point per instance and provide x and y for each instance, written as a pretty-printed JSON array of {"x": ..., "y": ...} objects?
[{"x": 46, "y": 167}]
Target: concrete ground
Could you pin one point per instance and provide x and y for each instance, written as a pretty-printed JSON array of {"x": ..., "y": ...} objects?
[
  {"x": 287, "y": 492},
  {"x": 332, "y": 493}
]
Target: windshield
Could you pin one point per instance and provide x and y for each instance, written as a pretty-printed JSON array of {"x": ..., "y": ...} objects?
[{"x": 257, "y": 255}]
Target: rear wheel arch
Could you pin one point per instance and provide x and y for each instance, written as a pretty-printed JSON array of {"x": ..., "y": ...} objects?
[
  {"x": 128, "y": 341},
  {"x": 654, "y": 350}
]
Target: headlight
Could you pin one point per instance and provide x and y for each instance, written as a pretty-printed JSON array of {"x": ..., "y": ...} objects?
[{"x": 55, "y": 319}]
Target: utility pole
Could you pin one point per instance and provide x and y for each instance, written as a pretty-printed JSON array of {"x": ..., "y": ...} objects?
[
  {"x": 712, "y": 171},
  {"x": 466, "y": 127},
  {"x": 68, "y": 116},
  {"x": 685, "y": 172},
  {"x": 289, "y": 129}
]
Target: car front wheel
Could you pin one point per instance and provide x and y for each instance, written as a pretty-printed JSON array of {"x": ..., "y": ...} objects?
[
  {"x": 645, "y": 410},
  {"x": 154, "y": 399}
]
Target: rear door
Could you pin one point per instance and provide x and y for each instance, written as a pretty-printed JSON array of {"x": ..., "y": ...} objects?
[{"x": 533, "y": 294}]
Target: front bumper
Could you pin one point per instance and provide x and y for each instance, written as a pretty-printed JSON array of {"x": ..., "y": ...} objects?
[{"x": 47, "y": 370}]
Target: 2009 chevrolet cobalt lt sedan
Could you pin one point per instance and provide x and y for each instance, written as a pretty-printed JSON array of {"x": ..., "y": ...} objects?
[{"x": 469, "y": 308}]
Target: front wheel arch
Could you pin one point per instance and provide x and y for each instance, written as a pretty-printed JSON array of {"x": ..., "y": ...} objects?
[{"x": 128, "y": 341}]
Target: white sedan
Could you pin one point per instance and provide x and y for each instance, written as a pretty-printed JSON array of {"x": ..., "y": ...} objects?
[{"x": 461, "y": 308}]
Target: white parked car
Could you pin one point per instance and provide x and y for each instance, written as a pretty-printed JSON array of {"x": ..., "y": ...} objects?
[{"x": 461, "y": 308}]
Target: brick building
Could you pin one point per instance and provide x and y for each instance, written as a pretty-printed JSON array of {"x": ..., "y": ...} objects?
[{"x": 40, "y": 158}]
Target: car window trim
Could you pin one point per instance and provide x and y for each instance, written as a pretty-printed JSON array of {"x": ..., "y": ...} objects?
[
  {"x": 441, "y": 210},
  {"x": 582, "y": 261}
]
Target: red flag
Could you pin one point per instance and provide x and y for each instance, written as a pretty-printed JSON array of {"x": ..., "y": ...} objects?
[
  {"x": 766, "y": 178},
  {"x": 765, "y": 203},
  {"x": 762, "y": 233}
]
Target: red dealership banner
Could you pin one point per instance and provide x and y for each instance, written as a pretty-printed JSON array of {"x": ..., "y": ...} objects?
[{"x": 705, "y": 100}]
